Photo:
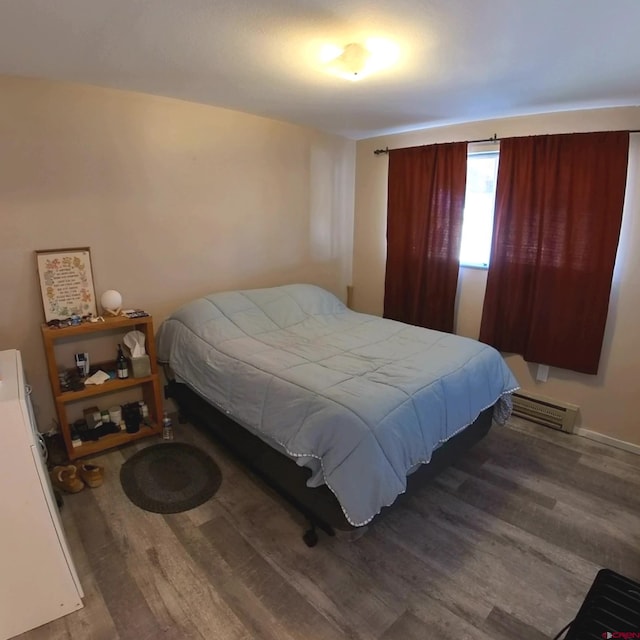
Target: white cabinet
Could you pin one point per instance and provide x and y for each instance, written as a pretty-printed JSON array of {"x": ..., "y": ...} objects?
[{"x": 38, "y": 582}]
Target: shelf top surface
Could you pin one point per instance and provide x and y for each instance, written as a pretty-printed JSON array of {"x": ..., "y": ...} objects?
[{"x": 91, "y": 327}]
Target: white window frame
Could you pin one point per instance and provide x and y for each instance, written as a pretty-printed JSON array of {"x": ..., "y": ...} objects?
[{"x": 476, "y": 150}]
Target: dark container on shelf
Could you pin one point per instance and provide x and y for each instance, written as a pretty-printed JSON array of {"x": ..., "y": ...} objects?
[{"x": 131, "y": 417}]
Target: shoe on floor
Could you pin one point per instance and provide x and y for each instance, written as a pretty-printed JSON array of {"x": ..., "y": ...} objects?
[
  {"x": 66, "y": 479},
  {"x": 91, "y": 474}
]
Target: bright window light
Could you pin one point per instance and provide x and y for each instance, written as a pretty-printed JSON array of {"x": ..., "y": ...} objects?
[{"x": 477, "y": 224}]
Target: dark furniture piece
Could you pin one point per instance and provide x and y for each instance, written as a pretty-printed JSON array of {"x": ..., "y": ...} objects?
[
  {"x": 610, "y": 610},
  {"x": 281, "y": 473}
]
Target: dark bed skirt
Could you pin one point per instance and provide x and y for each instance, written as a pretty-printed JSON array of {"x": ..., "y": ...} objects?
[{"x": 282, "y": 474}]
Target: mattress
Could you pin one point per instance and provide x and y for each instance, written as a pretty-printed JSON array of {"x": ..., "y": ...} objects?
[{"x": 359, "y": 399}]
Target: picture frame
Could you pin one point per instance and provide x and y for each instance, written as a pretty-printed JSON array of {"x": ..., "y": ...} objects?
[{"x": 66, "y": 282}]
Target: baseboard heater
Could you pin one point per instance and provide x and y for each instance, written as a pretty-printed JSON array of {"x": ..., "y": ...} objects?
[{"x": 545, "y": 411}]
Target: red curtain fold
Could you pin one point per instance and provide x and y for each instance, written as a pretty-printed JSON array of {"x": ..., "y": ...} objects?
[
  {"x": 559, "y": 201},
  {"x": 424, "y": 224}
]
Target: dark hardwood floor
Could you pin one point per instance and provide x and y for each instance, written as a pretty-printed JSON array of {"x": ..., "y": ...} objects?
[{"x": 503, "y": 546}]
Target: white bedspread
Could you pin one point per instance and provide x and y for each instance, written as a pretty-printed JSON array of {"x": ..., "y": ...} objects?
[{"x": 367, "y": 398}]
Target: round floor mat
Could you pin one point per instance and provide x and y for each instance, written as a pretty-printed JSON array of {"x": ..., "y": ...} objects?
[{"x": 170, "y": 477}]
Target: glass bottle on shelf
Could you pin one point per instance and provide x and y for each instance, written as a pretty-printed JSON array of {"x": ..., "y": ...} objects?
[{"x": 122, "y": 368}]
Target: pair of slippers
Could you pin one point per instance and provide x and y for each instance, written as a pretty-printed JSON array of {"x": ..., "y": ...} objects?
[{"x": 73, "y": 478}]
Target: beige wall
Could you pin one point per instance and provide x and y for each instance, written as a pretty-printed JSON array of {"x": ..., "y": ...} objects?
[
  {"x": 178, "y": 199},
  {"x": 607, "y": 400},
  {"x": 174, "y": 199}
]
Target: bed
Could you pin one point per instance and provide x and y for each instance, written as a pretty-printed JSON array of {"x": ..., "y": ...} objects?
[{"x": 322, "y": 401}]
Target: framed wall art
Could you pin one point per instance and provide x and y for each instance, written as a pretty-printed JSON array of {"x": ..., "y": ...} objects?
[{"x": 66, "y": 283}]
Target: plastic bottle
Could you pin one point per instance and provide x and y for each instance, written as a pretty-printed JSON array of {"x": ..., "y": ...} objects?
[{"x": 167, "y": 429}]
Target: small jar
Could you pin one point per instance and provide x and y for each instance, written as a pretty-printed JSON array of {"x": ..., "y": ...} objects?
[{"x": 144, "y": 411}]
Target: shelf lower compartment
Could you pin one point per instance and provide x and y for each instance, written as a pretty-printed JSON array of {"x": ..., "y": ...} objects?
[{"x": 112, "y": 440}]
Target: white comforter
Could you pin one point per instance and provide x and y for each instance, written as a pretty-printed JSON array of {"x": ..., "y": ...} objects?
[{"x": 360, "y": 399}]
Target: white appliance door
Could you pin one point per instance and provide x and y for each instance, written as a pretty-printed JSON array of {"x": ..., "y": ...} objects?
[{"x": 37, "y": 580}]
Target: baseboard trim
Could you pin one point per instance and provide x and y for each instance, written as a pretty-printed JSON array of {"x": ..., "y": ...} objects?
[{"x": 612, "y": 442}]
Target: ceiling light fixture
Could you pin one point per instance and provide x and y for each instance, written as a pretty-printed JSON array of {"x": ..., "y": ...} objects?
[
  {"x": 353, "y": 60},
  {"x": 356, "y": 61}
]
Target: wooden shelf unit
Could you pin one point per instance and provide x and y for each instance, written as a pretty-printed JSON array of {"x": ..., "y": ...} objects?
[{"x": 150, "y": 385}]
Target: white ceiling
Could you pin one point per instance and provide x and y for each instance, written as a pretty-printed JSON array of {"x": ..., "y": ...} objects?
[{"x": 460, "y": 60}]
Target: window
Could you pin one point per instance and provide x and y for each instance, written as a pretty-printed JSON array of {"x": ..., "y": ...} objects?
[{"x": 477, "y": 224}]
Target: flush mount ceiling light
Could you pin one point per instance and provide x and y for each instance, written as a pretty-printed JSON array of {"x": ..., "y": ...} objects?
[{"x": 357, "y": 61}]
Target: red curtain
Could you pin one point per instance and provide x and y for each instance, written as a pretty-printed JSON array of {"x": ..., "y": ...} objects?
[
  {"x": 424, "y": 224},
  {"x": 558, "y": 212}
]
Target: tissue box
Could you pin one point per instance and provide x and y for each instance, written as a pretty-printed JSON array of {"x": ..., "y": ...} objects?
[{"x": 140, "y": 366}]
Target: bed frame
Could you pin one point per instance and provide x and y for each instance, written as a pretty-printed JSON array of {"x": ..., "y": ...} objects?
[{"x": 318, "y": 505}]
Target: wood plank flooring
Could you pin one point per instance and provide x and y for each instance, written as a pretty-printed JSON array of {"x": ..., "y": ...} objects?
[{"x": 503, "y": 545}]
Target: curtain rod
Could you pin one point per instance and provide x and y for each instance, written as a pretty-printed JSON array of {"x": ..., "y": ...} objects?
[{"x": 493, "y": 138}]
